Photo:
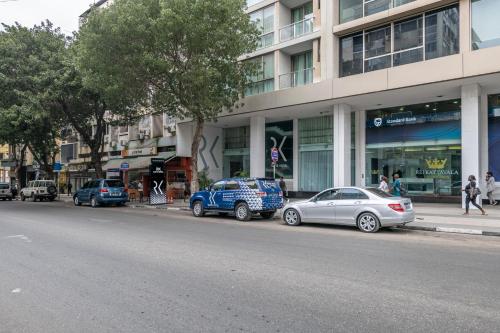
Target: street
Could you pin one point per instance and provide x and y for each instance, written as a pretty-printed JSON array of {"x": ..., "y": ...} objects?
[{"x": 78, "y": 269}]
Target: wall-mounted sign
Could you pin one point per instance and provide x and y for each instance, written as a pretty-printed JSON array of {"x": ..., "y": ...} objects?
[
  {"x": 157, "y": 183},
  {"x": 124, "y": 166},
  {"x": 139, "y": 152}
]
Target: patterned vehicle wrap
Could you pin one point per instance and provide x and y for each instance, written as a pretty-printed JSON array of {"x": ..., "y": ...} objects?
[{"x": 261, "y": 195}]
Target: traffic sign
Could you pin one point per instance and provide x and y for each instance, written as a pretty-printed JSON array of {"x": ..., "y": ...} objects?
[
  {"x": 124, "y": 166},
  {"x": 57, "y": 167},
  {"x": 274, "y": 155}
]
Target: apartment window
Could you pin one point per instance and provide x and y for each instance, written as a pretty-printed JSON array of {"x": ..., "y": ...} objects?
[
  {"x": 485, "y": 24},
  {"x": 354, "y": 9},
  {"x": 264, "y": 80},
  {"x": 302, "y": 23},
  {"x": 252, "y": 2},
  {"x": 431, "y": 35},
  {"x": 264, "y": 20}
]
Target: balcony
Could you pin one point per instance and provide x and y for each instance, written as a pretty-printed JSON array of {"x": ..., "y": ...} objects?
[
  {"x": 297, "y": 29},
  {"x": 266, "y": 40},
  {"x": 295, "y": 79}
]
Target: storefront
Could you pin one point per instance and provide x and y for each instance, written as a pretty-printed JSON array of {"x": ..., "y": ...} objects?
[
  {"x": 236, "y": 153},
  {"x": 494, "y": 135},
  {"x": 421, "y": 143},
  {"x": 280, "y": 136}
]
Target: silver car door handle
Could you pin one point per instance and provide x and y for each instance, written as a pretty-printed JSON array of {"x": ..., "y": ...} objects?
[
  {"x": 357, "y": 202},
  {"x": 331, "y": 204}
]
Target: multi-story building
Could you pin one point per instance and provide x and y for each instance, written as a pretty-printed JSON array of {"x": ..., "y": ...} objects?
[{"x": 351, "y": 90}]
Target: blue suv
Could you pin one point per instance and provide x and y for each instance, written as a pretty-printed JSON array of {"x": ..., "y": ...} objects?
[
  {"x": 241, "y": 196},
  {"x": 101, "y": 192}
]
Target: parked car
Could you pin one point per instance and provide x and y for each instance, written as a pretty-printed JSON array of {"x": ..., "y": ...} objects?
[
  {"x": 101, "y": 192},
  {"x": 39, "y": 190},
  {"x": 6, "y": 192},
  {"x": 241, "y": 196},
  {"x": 369, "y": 209}
]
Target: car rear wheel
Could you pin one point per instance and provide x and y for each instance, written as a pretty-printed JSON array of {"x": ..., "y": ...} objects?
[
  {"x": 242, "y": 212},
  {"x": 198, "y": 210},
  {"x": 267, "y": 215},
  {"x": 93, "y": 202},
  {"x": 76, "y": 201},
  {"x": 368, "y": 222},
  {"x": 291, "y": 217}
]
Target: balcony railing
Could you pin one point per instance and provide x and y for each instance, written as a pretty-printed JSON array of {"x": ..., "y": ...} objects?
[
  {"x": 297, "y": 29},
  {"x": 298, "y": 78},
  {"x": 266, "y": 40}
]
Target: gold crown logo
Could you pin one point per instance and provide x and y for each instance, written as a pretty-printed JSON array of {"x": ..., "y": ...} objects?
[{"x": 436, "y": 163}]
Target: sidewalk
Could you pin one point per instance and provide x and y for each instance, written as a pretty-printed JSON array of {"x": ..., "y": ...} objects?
[{"x": 429, "y": 217}]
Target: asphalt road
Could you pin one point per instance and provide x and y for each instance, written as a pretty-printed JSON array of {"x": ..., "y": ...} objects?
[{"x": 69, "y": 269}]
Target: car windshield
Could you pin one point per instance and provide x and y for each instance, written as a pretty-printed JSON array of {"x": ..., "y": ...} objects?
[
  {"x": 379, "y": 193},
  {"x": 113, "y": 183},
  {"x": 4, "y": 186}
]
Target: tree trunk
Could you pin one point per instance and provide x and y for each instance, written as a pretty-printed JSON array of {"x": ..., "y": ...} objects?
[
  {"x": 95, "y": 160},
  {"x": 19, "y": 166},
  {"x": 195, "y": 186}
]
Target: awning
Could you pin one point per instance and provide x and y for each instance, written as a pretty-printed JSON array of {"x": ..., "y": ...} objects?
[{"x": 136, "y": 163}]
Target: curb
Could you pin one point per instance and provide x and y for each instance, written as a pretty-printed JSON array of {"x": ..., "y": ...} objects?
[{"x": 453, "y": 230}]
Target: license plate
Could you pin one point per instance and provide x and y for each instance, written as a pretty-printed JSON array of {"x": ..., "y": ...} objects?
[{"x": 115, "y": 194}]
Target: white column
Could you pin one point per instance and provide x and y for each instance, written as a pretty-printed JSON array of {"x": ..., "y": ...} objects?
[
  {"x": 257, "y": 146},
  {"x": 361, "y": 148},
  {"x": 296, "y": 166},
  {"x": 342, "y": 145},
  {"x": 471, "y": 135}
]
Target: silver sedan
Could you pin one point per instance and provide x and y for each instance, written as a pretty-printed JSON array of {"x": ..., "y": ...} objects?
[{"x": 369, "y": 209}]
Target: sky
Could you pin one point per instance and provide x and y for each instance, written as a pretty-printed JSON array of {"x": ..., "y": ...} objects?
[{"x": 63, "y": 13}]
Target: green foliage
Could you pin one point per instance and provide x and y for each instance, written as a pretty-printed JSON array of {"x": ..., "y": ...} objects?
[
  {"x": 203, "y": 179},
  {"x": 242, "y": 174}
]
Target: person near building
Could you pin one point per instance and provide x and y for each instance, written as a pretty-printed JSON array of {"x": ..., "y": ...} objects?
[
  {"x": 187, "y": 189},
  {"x": 383, "y": 184},
  {"x": 283, "y": 188},
  {"x": 140, "y": 189},
  {"x": 70, "y": 186},
  {"x": 396, "y": 186},
  {"x": 471, "y": 193},
  {"x": 490, "y": 187}
]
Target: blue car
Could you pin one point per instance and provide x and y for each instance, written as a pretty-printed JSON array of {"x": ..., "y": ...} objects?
[
  {"x": 101, "y": 192},
  {"x": 241, "y": 196}
]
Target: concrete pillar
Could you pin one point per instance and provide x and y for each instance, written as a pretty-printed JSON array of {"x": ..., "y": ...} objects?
[
  {"x": 471, "y": 133},
  {"x": 341, "y": 145},
  {"x": 257, "y": 146},
  {"x": 296, "y": 164},
  {"x": 360, "y": 142}
]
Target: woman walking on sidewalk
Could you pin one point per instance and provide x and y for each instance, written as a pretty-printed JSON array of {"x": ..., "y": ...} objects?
[
  {"x": 471, "y": 193},
  {"x": 490, "y": 187}
]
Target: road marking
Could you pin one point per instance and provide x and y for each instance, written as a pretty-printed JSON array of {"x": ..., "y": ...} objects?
[
  {"x": 16, "y": 291},
  {"x": 24, "y": 238}
]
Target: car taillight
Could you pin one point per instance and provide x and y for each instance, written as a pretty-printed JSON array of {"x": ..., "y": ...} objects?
[
  {"x": 261, "y": 194},
  {"x": 397, "y": 207},
  {"x": 103, "y": 190}
]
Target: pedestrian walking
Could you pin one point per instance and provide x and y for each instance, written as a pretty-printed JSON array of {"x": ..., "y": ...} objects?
[
  {"x": 283, "y": 188},
  {"x": 490, "y": 187},
  {"x": 187, "y": 189},
  {"x": 383, "y": 184},
  {"x": 471, "y": 193},
  {"x": 70, "y": 187},
  {"x": 140, "y": 189},
  {"x": 396, "y": 186}
]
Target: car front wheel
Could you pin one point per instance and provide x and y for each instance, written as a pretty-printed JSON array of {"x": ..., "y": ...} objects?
[
  {"x": 291, "y": 217},
  {"x": 76, "y": 201},
  {"x": 242, "y": 212},
  {"x": 368, "y": 222},
  {"x": 198, "y": 210}
]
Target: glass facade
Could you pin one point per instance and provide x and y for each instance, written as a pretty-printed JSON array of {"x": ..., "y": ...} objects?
[
  {"x": 354, "y": 9},
  {"x": 422, "y": 143},
  {"x": 264, "y": 80},
  {"x": 315, "y": 153},
  {"x": 401, "y": 42},
  {"x": 236, "y": 152},
  {"x": 302, "y": 69},
  {"x": 264, "y": 20},
  {"x": 494, "y": 135},
  {"x": 485, "y": 24},
  {"x": 280, "y": 136}
]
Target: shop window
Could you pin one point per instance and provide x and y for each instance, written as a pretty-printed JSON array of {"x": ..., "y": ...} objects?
[
  {"x": 485, "y": 24},
  {"x": 236, "y": 161},
  {"x": 494, "y": 134},
  {"x": 421, "y": 143},
  {"x": 280, "y": 135},
  {"x": 401, "y": 42}
]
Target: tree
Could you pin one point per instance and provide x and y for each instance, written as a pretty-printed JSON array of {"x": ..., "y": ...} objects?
[{"x": 174, "y": 56}]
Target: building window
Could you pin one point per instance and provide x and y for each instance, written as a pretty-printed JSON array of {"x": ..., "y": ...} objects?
[
  {"x": 264, "y": 20},
  {"x": 421, "y": 143},
  {"x": 236, "y": 152},
  {"x": 494, "y": 135},
  {"x": 263, "y": 81},
  {"x": 302, "y": 71},
  {"x": 315, "y": 153},
  {"x": 354, "y": 9},
  {"x": 401, "y": 42},
  {"x": 485, "y": 24},
  {"x": 253, "y": 2}
]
